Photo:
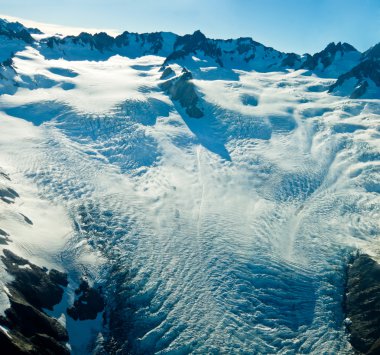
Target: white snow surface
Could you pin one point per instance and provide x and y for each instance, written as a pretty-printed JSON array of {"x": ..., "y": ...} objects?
[{"x": 230, "y": 233}]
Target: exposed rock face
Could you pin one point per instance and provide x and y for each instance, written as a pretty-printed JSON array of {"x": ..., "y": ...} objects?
[
  {"x": 153, "y": 41},
  {"x": 363, "y": 304},
  {"x": 167, "y": 73},
  {"x": 14, "y": 30},
  {"x": 230, "y": 53},
  {"x": 368, "y": 70},
  {"x": 17, "y": 27},
  {"x": 363, "y": 76},
  {"x": 327, "y": 56},
  {"x": 373, "y": 52},
  {"x": 183, "y": 90},
  {"x": 190, "y": 44},
  {"x": 29, "y": 329},
  {"x": 7, "y": 76},
  {"x": 241, "y": 53},
  {"x": 146, "y": 43},
  {"x": 89, "y": 303},
  {"x": 291, "y": 60}
]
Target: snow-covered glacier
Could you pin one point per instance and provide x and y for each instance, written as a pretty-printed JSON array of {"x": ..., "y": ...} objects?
[{"x": 224, "y": 234}]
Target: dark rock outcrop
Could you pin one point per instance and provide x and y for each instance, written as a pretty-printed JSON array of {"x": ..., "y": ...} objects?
[
  {"x": 7, "y": 80},
  {"x": 167, "y": 73},
  {"x": 14, "y": 30},
  {"x": 149, "y": 43},
  {"x": 240, "y": 53},
  {"x": 29, "y": 329},
  {"x": 234, "y": 52},
  {"x": 190, "y": 44},
  {"x": 291, "y": 60},
  {"x": 88, "y": 304},
  {"x": 152, "y": 41},
  {"x": 17, "y": 27},
  {"x": 372, "y": 53},
  {"x": 367, "y": 70},
  {"x": 327, "y": 56},
  {"x": 362, "y": 304},
  {"x": 182, "y": 89}
]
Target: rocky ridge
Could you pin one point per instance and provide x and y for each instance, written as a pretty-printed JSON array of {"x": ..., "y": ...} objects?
[
  {"x": 362, "y": 304},
  {"x": 337, "y": 60}
]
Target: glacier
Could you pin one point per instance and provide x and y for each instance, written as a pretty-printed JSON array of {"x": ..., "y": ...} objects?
[{"x": 224, "y": 234}]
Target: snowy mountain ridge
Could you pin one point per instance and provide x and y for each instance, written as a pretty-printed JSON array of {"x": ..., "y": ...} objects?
[{"x": 335, "y": 61}]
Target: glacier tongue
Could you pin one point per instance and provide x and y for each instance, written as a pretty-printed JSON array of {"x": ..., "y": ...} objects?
[{"x": 225, "y": 234}]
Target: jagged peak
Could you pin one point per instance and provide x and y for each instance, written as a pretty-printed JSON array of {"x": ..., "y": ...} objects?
[
  {"x": 15, "y": 30},
  {"x": 373, "y": 52},
  {"x": 333, "y": 47},
  {"x": 198, "y": 35},
  {"x": 191, "y": 40}
]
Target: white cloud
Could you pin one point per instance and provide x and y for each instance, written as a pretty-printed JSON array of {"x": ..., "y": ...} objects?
[{"x": 52, "y": 29}]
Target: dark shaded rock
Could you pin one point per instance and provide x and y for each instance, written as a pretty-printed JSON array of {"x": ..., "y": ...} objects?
[
  {"x": 15, "y": 345},
  {"x": 152, "y": 43},
  {"x": 102, "y": 41},
  {"x": 326, "y": 56},
  {"x": 39, "y": 288},
  {"x": 25, "y": 36},
  {"x": 6, "y": 63},
  {"x": 99, "y": 41},
  {"x": 362, "y": 304},
  {"x": 167, "y": 73},
  {"x": 49, "y": 344},
  {"x": 58, "y": 277},
  {"x": 28, "y": 320},
  {"x": 89, "y": 303},
  {"x": 17, "y": 27},
  {"x": 190, "y": 44},
  {"x": 373, "y": 52},
  {"x": 154, "y": 40},
  {"x": 291, "y": 60},
  {"x": 15, "y": 30},
  {"x": 368, "y": 69},
  {"x": 245, "y": 44},
  {"x": 360, "y": 90},
  {"x": 34, "y": 31},
  {"x": 52, "y": 42},
  {"x": 31, "y": 331},
  {"x": 183, "y": 90}
]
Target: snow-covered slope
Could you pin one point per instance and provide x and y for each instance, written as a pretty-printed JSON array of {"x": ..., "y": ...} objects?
[{"x": 228, "y": 233}]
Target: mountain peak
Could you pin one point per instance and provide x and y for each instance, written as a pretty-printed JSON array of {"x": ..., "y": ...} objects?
[
  {"x": 327, "y": 56},
  {"x": 341, "y": 47},
  {"x": 373, "y": 52},
  {"x": 15, "y": 30},
  {"x": 191, "y": 41},
  {"x": 198, "y": 35}
]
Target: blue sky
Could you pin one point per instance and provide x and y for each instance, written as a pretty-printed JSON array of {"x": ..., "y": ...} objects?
[{"x": 289, "y": 25}]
